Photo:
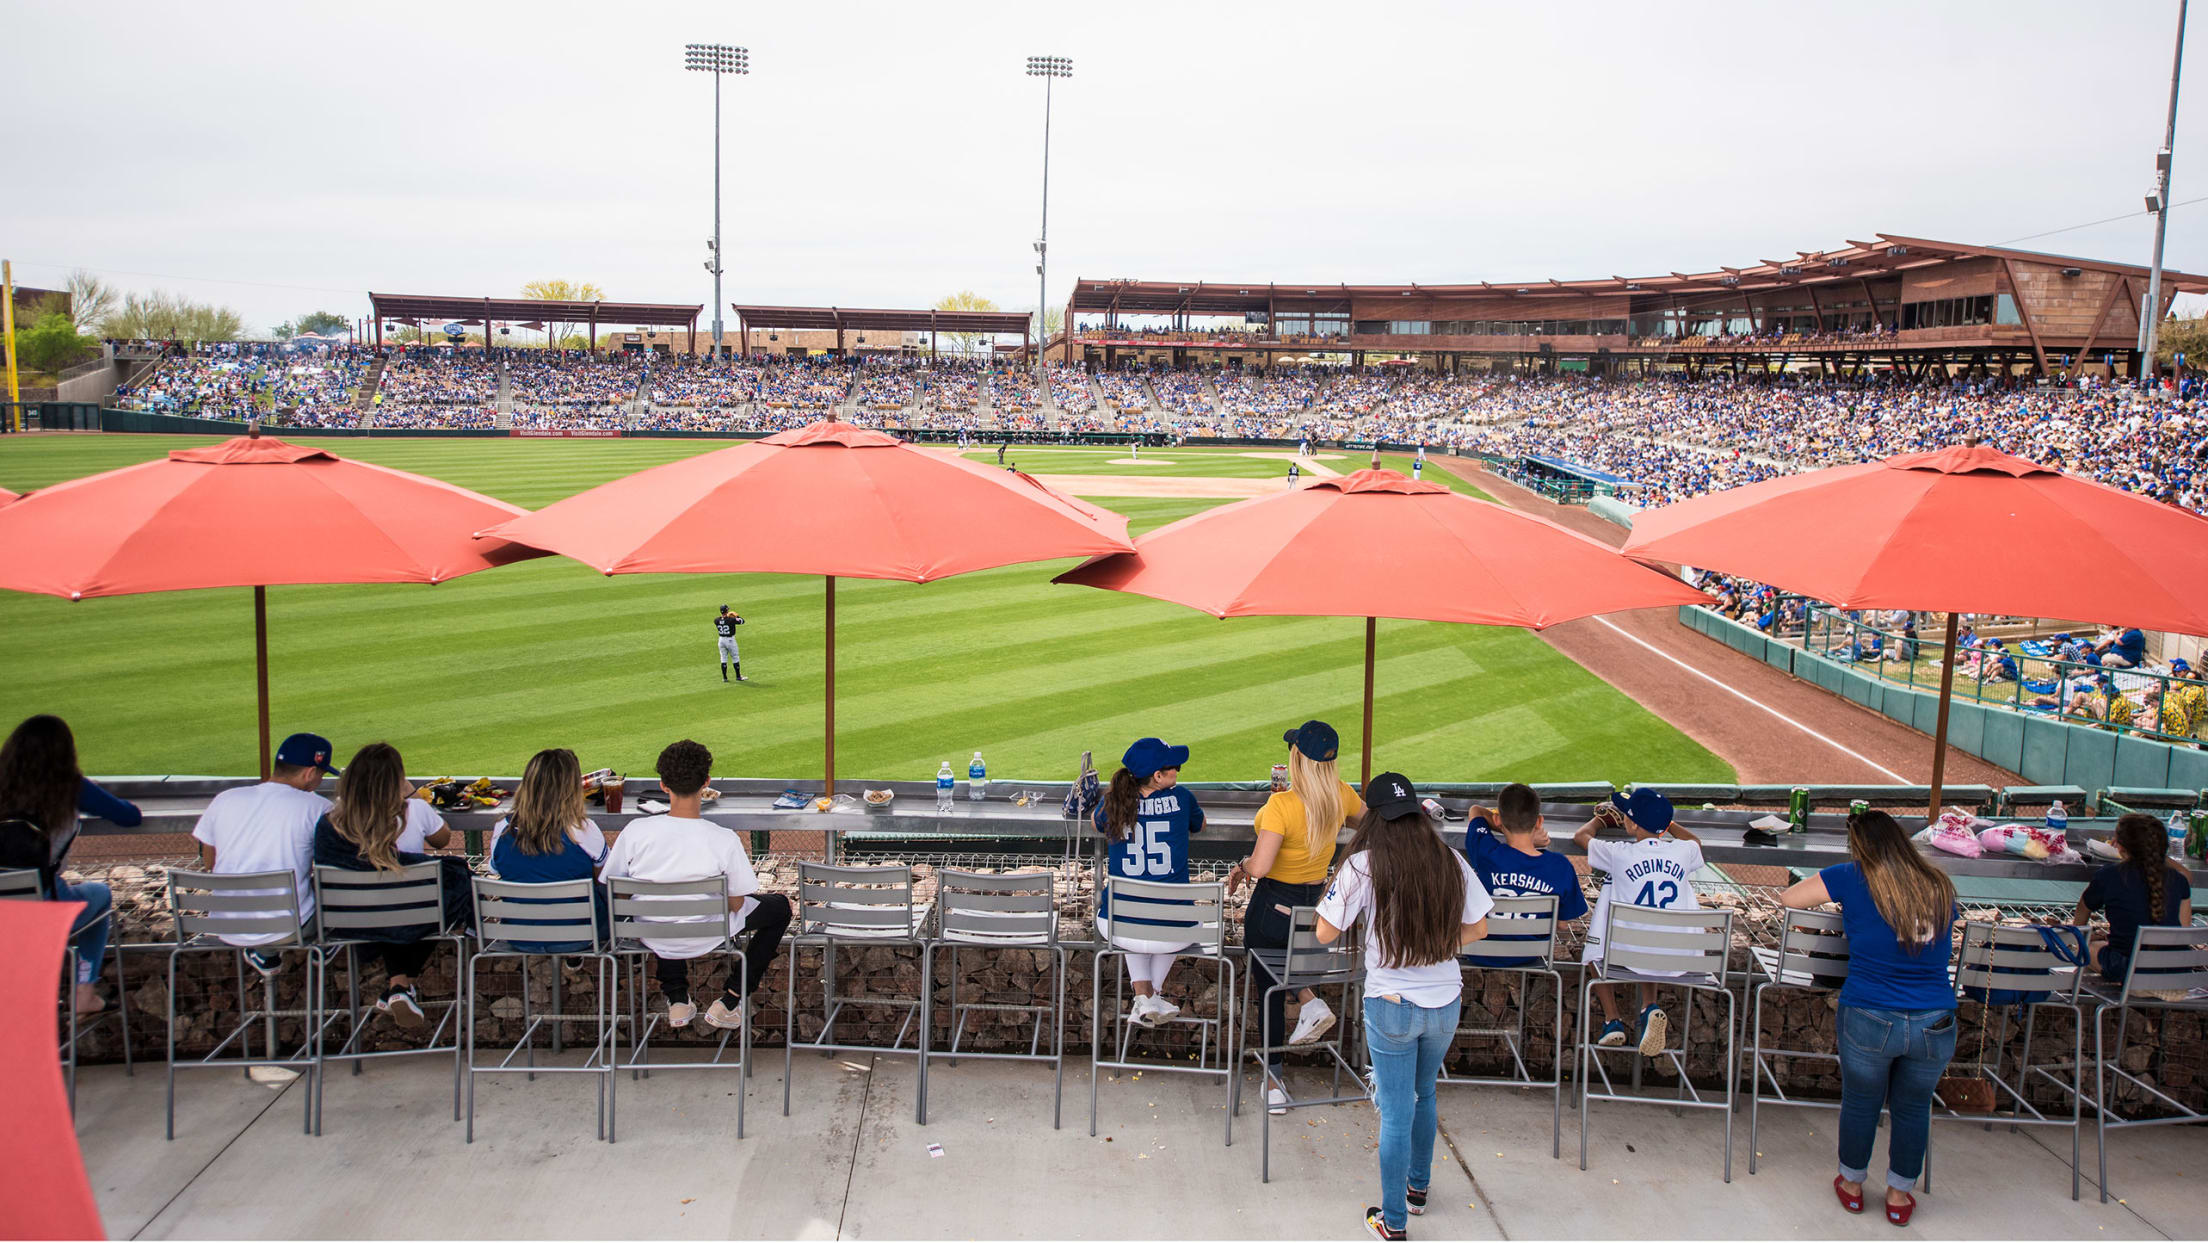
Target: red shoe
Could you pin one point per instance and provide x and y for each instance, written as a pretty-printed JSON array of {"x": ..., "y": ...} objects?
[
  {"x": 1899, "y": 1213},
  {"x": 1854, "y": 1203}
]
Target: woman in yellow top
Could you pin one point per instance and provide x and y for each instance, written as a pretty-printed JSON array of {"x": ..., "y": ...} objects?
[{"x": 1296, "y": 832}]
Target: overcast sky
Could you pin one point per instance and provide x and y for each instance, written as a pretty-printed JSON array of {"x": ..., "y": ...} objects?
[{"x": 282, "y": 158}]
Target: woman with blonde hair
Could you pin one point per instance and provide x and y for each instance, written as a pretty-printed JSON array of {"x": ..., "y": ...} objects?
[
  {"x": 1296, "y": 832},
  {"x": 366, "y": 831},
  {"x": 1897, "y": 1009},
  {"x": 548, "y": 838}
]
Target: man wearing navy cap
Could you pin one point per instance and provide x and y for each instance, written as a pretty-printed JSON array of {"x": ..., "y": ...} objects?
[
  {"x": 1653, "y": 867},
  {"x": 269, "y": 827}
]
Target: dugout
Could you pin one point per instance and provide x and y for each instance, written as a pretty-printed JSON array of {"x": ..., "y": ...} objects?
[{"x": 1567, "y": 482}]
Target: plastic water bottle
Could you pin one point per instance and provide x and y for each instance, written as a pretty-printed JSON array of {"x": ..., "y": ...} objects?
[
  {"x": 944, "y": 783},
  {"x": 977, "y": 779},
  {"x": 2058, "y": 818}
]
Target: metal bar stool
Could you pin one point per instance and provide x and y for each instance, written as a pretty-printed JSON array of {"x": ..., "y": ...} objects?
[
  {"x": 2167, "y": 971},
  {"x": 1812, "y": 957},
  {"x": 1995, "y": 960},
  {"x": 693, "y": 914},
  {"x": 995, "y": 911},
  {"x": 1521, "y": 941},
  {"x": 552, "y": 920},
  {"x": 22, "y": 885},
  {"x": 350, "y": 907},
  {"x": 1684, "y": 949},
  {"x": 863, "y": 906},
  {"x": 1305, "y": 962},
  {"x": 208, "y": 907},
  {"x": 1168, "y": 912}
]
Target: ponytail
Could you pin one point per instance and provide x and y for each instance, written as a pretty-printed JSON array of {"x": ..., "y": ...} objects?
[
  {"x": 1121, "y": 799},
  {"x": 2146, "y": 846}
]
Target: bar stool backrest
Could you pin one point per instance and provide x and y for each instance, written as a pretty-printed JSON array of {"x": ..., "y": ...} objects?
[
  {"x": 1313, "y": 962},
  {"x": 2168, "y": 960},
  {"x": 2001, "y": 959},
  {"x": 997, "y": 908},
  {"x": 1519, "y": 927},
  {"x": 675, "y": 910},
  {"x": 20, "y": 883},
  {"x": 1813, "y": 946},
  {"x": 855, "y": 902},
  {"x": 235, "y": 904},
  {"x": 1665, "y": 939},
  {"x": 1168, "y": 912},
  {"x": 352, "y": 901},
  {"x": 545, "y": 913}
]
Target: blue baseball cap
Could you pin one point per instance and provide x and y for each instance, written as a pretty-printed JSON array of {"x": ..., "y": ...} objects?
[
  {"x": 1148, "y": 755},
  {"x": 1316, "y": 739},
  {"x": 1646, "y": 808},
  {"x": 306, "y": 751},
  {"x": 1391, "y": 796},
  {"x": 2179, "y": 666}
]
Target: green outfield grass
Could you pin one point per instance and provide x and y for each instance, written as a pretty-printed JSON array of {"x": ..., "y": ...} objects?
[{"x": 472, "y": 675}]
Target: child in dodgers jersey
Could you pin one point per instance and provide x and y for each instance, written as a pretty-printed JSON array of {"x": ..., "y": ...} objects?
[
  {"x": 1147, "y": 818},
  {"x": 1652, "y": 868}
]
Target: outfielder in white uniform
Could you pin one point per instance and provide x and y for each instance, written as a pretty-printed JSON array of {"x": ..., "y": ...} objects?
[
  {"x": 725, "y": 626},
  {"x": 1653, "y": 867}
]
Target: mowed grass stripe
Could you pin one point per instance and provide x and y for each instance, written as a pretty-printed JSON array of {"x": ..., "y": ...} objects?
[{"x": 470, "y": 676}]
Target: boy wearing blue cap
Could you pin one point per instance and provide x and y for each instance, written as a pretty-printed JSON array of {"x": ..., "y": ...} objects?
[
  {"x": 1652, "y": 868},
  {"x": 1148, "y": 818}
]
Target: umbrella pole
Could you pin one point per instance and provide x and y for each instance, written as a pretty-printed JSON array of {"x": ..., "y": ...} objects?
[
  {"x": 830, "y": 740},
  {"x": 1372, "y": 627},
  {"x": 1939, "y": 729},
  {"x": 260, "y": 667}
]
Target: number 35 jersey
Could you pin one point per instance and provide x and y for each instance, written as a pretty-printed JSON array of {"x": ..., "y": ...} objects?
[
  {"x": 1653, "y": 871},
  {"x": 1156, "y": 849}
]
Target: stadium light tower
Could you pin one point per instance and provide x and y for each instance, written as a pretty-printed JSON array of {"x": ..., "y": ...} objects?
[
  {"x": 2158, "y": 202},
  {"x": 1047, "y": 68},
  {"x": 718, "y": 59}
]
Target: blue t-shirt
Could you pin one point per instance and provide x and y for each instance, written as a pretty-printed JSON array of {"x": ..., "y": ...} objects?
[
  {"x": 1882, "y": 975},
  {"x": 2132, "y": 646},
  {"x": 1156, "y": 848},
  {"x": 2120, "y": 890},
  {"x": 1509, "y": 872},
  {"x": 571, "y": 862}
]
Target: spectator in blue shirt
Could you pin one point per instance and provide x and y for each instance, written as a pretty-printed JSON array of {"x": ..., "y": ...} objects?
[
  {"x": 2145, "y": 889},
  {"x": 1897, "y": 1009},
  {"x": 2126, "y": 649},
  {"x": 549, "y": 839},
  {"x": 1506, "y": 850},
  {"x": 42, "y": 793}
]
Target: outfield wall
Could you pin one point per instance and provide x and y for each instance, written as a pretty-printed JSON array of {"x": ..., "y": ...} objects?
[{"x": 2041, "y": 749}]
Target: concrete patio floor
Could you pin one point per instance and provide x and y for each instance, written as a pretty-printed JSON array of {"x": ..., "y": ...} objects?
[{"x": 850, "y": 1162}]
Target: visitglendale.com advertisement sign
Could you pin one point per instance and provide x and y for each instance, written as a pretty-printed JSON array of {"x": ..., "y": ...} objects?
[{"x": 594, "y": 433}]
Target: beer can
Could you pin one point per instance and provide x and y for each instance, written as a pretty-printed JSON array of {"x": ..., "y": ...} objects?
[
  {"x": 2196, "y": 834},
  {"x": 1797, "y": 810},
  {"x": 1858, "y": 806},
  {"x": 1280, "y": 777}
]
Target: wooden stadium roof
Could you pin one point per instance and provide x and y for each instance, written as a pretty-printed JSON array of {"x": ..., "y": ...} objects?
[
  {"x": 400, "y": 306},
  {"x": 1890, "y": 253},
  {"x": 839, "y": 318}
]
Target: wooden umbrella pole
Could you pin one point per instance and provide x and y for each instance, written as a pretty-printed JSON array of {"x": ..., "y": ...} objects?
[
  {"x": 260, "y": 668},
  {"x": 1939, "y": 729},
  {"x": 830, "y": 740},
  {"x": 1372, "y": 629}
]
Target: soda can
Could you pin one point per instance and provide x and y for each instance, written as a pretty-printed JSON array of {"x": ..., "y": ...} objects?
[
  {"x": 1280, "y": 777},
  {"x": 1797, "y": 810},
  {"x": 2196, "y": 835},
  {"x": 1858, "y": 807}
]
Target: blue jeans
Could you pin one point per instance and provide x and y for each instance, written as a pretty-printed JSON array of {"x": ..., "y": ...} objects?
[
  {"x": 89, "y": 934},
  {"x": 1890, "y": 1059},
  {"x": 1407, "y": 1044}
]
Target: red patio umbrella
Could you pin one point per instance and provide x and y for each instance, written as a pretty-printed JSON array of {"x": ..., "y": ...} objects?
[
  {"x": 253, "y": 511},
  {"x": 8, "y": 498},
  {"x": 829, "y": 499},
  {"x": 1966, "y": 529},
  {"x": 1375, "y": 544}
]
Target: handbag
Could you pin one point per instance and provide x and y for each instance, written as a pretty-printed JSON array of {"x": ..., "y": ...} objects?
[{"x": 1087, "y": 792}]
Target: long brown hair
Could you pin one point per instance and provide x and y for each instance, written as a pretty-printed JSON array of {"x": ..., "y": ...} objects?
[
  {"x": 2146, "y": 846},
  {"x": 39, "y": 774},
  {"x": 1317, "y": 784},
  {"x": 1417, "y": 889},
  {"x": 371, "y": 804},
  {"x": 1916, "y": 899},
  {"x": 1120, "y": 799},
  {"x": 548, "y": 803}
]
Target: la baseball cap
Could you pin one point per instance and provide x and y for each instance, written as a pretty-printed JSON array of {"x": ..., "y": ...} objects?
[
  {"x": 1646, "y": 808},
  {"x": 1148, "y": 755},
  {"x": 1316, "y": 739},
  {"x": 1392, "y": 795},
  {"x": 306, "y": 751}
]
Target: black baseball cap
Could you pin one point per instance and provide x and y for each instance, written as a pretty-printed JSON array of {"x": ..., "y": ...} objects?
[
  {"x": 306, "y": 751},
  {"x": 724, "y": 608},
  {"x": 1392, "y": 795},
  {"x": 1316, "y": 739}
]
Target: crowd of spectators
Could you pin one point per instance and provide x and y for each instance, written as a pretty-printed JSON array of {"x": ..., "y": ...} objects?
[
  {"x": 888, "y": 384},
  {"x": 567, "y": 417},
  {"x": 1012, "y": 390},
  {"x": 1124, "y": 391},
  {"x": 1069, "y": 389},
  {"x": 569, "y": 377},
  {"x": 1182, "y": 392},
  {"x": 418, "y": 375},
  {"x": 435, "y": 416}
]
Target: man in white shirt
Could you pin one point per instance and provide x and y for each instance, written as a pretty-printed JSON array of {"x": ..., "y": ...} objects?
[
  {"x": 682, "y": 846},
  {"x": 1652, "y": 868},
  {"x": 269, "y": 827}
]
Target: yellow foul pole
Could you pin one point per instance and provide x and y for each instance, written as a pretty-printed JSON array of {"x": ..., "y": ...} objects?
[{"x": 7, "y": 330}]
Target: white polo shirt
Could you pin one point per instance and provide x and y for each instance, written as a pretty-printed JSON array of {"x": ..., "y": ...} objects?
[
  {"x": 681, "y": 848},
  {"x": 267, "y": 827}
]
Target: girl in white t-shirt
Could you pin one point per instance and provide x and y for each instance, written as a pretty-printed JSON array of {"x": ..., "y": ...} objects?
[{"x": 1417, "y": 904}]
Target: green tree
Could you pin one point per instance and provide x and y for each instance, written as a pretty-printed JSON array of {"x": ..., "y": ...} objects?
[
  {"x": 964, "y": 300},
  {"x": 166, "y": 316},
  {"x": 53, "y": 343},
  {"x": 556, "y": 331},
  {"x": 321, "y": 323},
  {"x": 2182, "y": 336}
]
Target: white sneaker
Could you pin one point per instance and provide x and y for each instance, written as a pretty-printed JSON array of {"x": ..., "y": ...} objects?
[
  {"x": 1276, "y": 1100},
  {"x": 679, "y": 1013},
  {"x": 1143, "y": 1013},
  {"x": 1161, "y": 1010},
  {"x": 1316, "y": 1020},
  {"x": 725, "y": 1016}
]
